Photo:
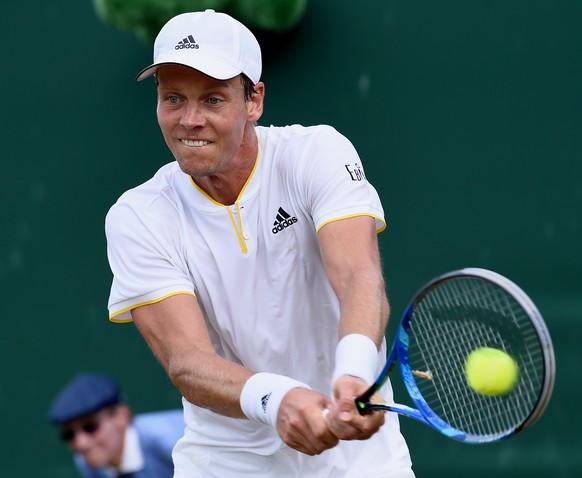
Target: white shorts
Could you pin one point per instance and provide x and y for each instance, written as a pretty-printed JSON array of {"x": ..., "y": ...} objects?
[{"x": 349, "y": 459}]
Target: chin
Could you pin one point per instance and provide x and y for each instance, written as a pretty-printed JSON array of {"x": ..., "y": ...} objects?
[
  {"x": 96, "y": 461},
  {"x": 192, "y": 170}
]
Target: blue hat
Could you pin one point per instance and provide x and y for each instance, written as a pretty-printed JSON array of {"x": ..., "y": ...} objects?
[{"x": 85, "y": 395}]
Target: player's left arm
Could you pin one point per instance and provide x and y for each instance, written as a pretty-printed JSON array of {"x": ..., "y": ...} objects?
[{"x": 351, "y": 257}]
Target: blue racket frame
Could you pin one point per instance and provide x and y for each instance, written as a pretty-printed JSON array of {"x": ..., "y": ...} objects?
[{"x": 399, "y": 353}]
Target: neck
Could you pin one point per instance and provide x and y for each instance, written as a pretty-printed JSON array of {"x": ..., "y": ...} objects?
[{"x": 225, "y": 187}]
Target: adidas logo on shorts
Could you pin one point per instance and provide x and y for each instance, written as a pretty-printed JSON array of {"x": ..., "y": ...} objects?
[{"x": 282, "y": 221}]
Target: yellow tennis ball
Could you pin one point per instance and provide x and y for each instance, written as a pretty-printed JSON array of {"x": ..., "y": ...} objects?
[{"x": 491, "y": 371}]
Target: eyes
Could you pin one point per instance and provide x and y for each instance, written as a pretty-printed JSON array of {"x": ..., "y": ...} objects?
[{"x": 176, "y": 100}]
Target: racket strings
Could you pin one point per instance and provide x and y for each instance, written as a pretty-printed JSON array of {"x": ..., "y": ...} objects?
[{"x": 448, "y": 323}]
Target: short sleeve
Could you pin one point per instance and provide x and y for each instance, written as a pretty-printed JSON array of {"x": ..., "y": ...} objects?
[
  {"x": 336, "y": 183},
  {"x": 143, "y": 256}
]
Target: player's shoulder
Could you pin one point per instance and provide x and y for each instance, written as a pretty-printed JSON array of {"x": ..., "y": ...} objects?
[
  {"x": 297, "y": 143},
  {"x": 147, "y": 193},
  {"x": 297, "y": 132}
]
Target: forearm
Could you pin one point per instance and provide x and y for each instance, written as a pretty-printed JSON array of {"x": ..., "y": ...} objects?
[
  {"x": 176, "y": 333},
  {"x": 364, "y": 307},
  {"x": 363, "y": 319},
  {"x": 231, "y": 390},
  {"x": 352, "y": 261},
  {"x": 209, "y": 381},
  {"x": 364, "y": 313}
]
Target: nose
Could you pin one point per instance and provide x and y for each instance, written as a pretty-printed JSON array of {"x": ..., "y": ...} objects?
[
  {"x": 81, "y": 441},
  {"x": 192, "y": 115}
]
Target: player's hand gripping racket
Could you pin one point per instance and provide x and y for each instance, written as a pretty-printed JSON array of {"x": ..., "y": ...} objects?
[{"x": 450, "y": 317}]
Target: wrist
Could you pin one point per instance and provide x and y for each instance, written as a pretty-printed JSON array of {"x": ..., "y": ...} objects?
[
  {"x": 356, "y": 355},
  {"x": 262, "y": 394}
]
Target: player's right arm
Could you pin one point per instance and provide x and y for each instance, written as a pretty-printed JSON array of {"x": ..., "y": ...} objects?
[{"x": 176, "y": 332}]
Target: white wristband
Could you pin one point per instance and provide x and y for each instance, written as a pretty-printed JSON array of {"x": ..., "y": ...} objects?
[
  {"x": 356, "y": 355},
  {"x": 262, "y": 395}
]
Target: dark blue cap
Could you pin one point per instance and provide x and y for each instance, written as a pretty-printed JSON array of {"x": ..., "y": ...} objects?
[{"x": 85, "y": 395}]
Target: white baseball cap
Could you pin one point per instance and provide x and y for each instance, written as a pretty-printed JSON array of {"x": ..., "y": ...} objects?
[{"x": 211, "y": 42}]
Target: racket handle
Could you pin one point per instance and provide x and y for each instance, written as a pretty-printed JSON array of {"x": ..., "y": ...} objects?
[{"x": 363, "y": 401}]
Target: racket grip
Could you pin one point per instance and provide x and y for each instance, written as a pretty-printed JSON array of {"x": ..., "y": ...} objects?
[{"x": 363, "y": 401}]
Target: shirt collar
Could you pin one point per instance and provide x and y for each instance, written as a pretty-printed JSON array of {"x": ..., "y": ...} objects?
[{"x": 132, "y": 458}]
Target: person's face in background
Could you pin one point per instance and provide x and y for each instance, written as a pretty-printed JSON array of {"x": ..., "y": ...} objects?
[{"x": 99, "y": 437}]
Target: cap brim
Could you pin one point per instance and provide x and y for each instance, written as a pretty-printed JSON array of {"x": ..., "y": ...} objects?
[
  {"x": 147, "y": 72},
  {"x": 209, "y": 66}
]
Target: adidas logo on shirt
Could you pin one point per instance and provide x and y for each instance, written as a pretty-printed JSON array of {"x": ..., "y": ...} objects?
[
  {"x": 187, "y": 42},
  {"x": 282, "y": 221}
]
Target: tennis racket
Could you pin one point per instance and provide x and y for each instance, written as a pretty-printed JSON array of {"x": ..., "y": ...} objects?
[{"x": 449, "y": 318}]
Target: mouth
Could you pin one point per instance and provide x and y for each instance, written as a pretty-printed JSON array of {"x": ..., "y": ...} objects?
[{"x": 194, "y": 144}]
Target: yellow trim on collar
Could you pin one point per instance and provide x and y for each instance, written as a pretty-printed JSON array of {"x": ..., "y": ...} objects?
[
  {"x": 238, "y": 228},
  {"x": 207, "y": 196}
]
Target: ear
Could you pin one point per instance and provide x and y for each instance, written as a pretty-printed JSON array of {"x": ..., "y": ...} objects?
[
  {"x": 123, "y": 413},
  {"x": 255, "y": 104}
]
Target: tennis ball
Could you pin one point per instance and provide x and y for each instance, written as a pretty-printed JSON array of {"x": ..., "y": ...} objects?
[{"x": 491, "y": 371}]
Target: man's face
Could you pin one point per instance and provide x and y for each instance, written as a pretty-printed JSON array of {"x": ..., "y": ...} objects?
[
  {"x": 204, "y": 120},
  {"x": 98, "y": 437}
]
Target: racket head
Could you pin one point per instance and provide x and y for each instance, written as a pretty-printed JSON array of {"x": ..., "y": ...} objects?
[{"x": 450, "y": 317}]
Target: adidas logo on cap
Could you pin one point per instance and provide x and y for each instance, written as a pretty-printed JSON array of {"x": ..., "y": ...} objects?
[{"x": 187, "y": 42}]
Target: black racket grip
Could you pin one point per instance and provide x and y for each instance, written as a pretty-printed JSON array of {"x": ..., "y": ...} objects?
[{"x": 363, "y": 401}]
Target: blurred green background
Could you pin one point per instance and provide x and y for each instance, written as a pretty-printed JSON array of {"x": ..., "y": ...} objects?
[{"x": 467, "y": 115}]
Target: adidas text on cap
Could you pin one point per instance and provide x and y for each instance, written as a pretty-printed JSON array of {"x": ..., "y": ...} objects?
[{"x": 211, "y": 42}]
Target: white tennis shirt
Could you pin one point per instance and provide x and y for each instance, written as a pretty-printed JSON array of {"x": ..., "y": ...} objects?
[{"x": 255, "y": 266}]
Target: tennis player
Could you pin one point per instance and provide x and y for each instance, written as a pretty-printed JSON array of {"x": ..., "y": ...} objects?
[{"x": 250, "y": 265}]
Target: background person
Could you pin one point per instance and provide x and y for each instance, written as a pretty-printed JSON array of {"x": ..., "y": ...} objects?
[{"x": 107, "y": 440}]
